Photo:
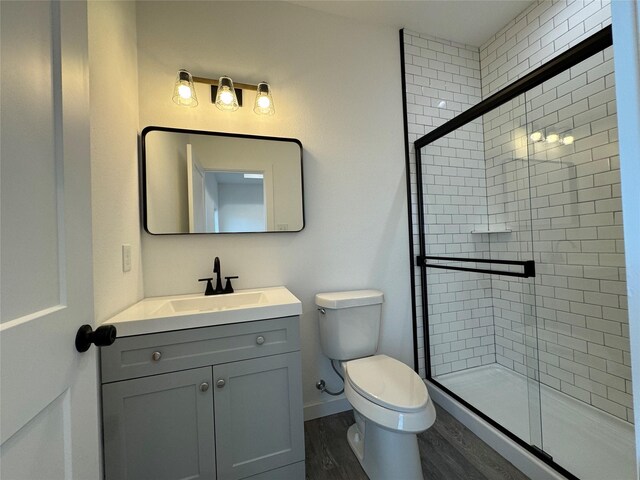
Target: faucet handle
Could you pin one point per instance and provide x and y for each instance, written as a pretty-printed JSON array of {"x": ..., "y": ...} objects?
[
  {"x": 228, "y": 288},
  {"x": 209, "y": 289}
]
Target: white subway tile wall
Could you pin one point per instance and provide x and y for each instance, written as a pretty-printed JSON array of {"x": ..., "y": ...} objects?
[
  {"x": 442, "y": 80},
  {"x": 562, "y": 206}
]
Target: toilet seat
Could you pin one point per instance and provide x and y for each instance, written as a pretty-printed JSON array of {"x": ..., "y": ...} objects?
[{"x": 387, "y": 382}]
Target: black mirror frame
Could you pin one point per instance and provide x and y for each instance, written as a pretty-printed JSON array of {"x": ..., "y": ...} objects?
[{"x": 142, "y": 168}]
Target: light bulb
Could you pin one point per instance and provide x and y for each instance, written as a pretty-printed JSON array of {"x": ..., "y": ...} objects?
[
  {"x": 553, "y": 138},
  {"x": 226, "y": 97},
  {"x": 536, "y": 136},
  {"x": 184, "y": 91},
  {"x": 568, "y": 140},
  {"x": 264, "y": 102}
]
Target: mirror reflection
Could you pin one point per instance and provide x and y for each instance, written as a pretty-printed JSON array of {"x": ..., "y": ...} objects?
[{"x": 206, "y": 182}]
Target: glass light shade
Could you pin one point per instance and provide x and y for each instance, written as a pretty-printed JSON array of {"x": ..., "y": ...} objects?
[
  {"x": 184, "y": 93},
  {"x": 226, "y": 99},
  {"x": 264, "y": 101}
]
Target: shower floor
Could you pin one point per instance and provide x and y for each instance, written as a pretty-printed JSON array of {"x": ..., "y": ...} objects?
[{"x": 591, "y": 444}]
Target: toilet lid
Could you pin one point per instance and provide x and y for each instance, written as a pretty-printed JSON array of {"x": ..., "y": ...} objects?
[{"x": 387, "y": 382}]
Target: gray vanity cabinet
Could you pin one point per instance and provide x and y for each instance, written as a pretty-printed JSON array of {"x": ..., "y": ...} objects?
[
  {"x": 221, "y": 402},
  {"x": 160, "y": 427},
  {"x": 258, "y": 415}
]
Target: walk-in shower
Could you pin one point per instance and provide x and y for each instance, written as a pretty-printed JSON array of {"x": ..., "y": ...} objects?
[{"x": 521, "y": 263}]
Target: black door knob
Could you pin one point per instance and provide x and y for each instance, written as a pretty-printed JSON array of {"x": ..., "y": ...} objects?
[{"x": 102, "y": 336}]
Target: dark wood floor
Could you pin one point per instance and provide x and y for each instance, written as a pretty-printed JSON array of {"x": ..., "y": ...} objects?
[{"x": 448, "y": 450}]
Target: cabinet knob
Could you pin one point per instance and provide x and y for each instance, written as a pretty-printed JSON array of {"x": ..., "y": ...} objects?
[
  {"x": 221, "y": 383},
  {"x": 204, "y": 386},
  {"x": 156, "y": 356},
  {"x": 260, "y": 340}
]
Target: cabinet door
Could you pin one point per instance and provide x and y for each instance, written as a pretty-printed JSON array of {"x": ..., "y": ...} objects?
[
  {"x": 160, "y": 427},
  {"x": 258, "y": 411}
]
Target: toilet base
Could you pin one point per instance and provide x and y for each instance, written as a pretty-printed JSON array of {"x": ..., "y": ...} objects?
[{"x": 384, "y": 454}]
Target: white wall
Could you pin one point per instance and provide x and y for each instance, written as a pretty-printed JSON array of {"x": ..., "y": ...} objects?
[
  {"x": 114, "y": 155},
  {"x": 337, "y": 88}
]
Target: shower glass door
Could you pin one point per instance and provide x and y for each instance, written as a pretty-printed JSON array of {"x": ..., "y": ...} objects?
[
  {"x": 578, "y": 247},
  {"x": 477, "y": 273}
]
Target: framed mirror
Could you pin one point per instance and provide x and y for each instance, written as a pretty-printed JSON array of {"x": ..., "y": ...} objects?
[{"x": 208, "y": 182}]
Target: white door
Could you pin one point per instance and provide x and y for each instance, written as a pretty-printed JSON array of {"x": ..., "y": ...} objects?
[
  {"x": 195, "y": 193},
  {"x": 48, "y": 392}
]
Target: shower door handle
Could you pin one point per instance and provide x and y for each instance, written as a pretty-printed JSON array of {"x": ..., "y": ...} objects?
[{"x": 528, "y": 266}]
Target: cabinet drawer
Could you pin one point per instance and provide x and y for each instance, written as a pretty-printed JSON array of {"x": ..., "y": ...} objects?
[{"x": 142, "y": 355}]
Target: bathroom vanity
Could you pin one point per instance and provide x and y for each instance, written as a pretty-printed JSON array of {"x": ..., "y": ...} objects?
[{"x": 205, "y": 387}]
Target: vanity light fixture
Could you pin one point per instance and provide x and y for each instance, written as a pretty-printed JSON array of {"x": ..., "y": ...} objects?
[
  {"x": 184, "y": 93},
  {"x": 225, "y": 94}
]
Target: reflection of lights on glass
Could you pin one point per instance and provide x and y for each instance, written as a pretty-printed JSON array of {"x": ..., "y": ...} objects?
[
  {"x": 536, "y": 136},
  {"x": 553, "y": 138},
  {"x": 568, "y": 140},
  {"x": 254, "y": 175},
  {"x": 442, "y": 104}
]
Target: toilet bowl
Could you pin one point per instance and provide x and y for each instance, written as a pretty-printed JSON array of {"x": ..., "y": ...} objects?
[
  {"x": 391, "y": 405},
  {"x": 390, "y": 401}
]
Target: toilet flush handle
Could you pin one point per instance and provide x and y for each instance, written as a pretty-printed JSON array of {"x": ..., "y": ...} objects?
[{"x": 322, "y": 311}]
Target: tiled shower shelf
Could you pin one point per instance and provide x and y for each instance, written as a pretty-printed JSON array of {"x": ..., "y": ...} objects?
[{"x": 492, "y": 230}]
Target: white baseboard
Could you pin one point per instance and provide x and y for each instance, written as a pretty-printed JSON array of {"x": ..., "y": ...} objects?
[
  {"x": 322, "y": 409},
  {"x": 524, "y": 461}
]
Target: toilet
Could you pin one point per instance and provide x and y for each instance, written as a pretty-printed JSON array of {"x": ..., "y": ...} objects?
[{"x": 390, "y": 401}]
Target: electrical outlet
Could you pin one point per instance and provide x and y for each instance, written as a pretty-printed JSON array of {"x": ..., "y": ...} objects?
[{"x": 126, "y": 258}]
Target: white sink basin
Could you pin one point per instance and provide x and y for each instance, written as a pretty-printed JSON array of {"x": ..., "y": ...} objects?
[
  {"x": 178, "y": 312},
  {"x": 217, "y": 302}
]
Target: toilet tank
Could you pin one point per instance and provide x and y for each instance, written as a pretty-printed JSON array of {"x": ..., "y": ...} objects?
[{"x": 349, "y": 323}]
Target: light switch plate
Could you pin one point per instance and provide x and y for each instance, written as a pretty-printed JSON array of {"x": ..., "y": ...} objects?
[{"x": 126, "y": 258}]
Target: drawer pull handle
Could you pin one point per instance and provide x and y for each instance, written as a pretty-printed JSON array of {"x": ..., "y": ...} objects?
[
  {"x": 156, "y": 356},
  {"x": 204, "y": 386},
  {"x": 260, "y": 340},
  {"x": 221, "y": 383}
]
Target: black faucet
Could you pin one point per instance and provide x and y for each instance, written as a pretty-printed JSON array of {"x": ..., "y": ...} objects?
[
  {"x": 216, "y": 270},
  {"x": 218, "y": 290}
]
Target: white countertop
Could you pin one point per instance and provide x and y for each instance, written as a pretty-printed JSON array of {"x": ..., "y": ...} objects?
[{"x": 158, "y": 314}]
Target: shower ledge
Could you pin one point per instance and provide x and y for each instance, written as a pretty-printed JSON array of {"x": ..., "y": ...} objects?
[{"x": 492, "y": 230}]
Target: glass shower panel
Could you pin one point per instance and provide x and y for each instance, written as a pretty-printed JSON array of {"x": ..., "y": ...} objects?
[
  {"x": 482, "y": 328},
  {"x": 583, "y": 326}
]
